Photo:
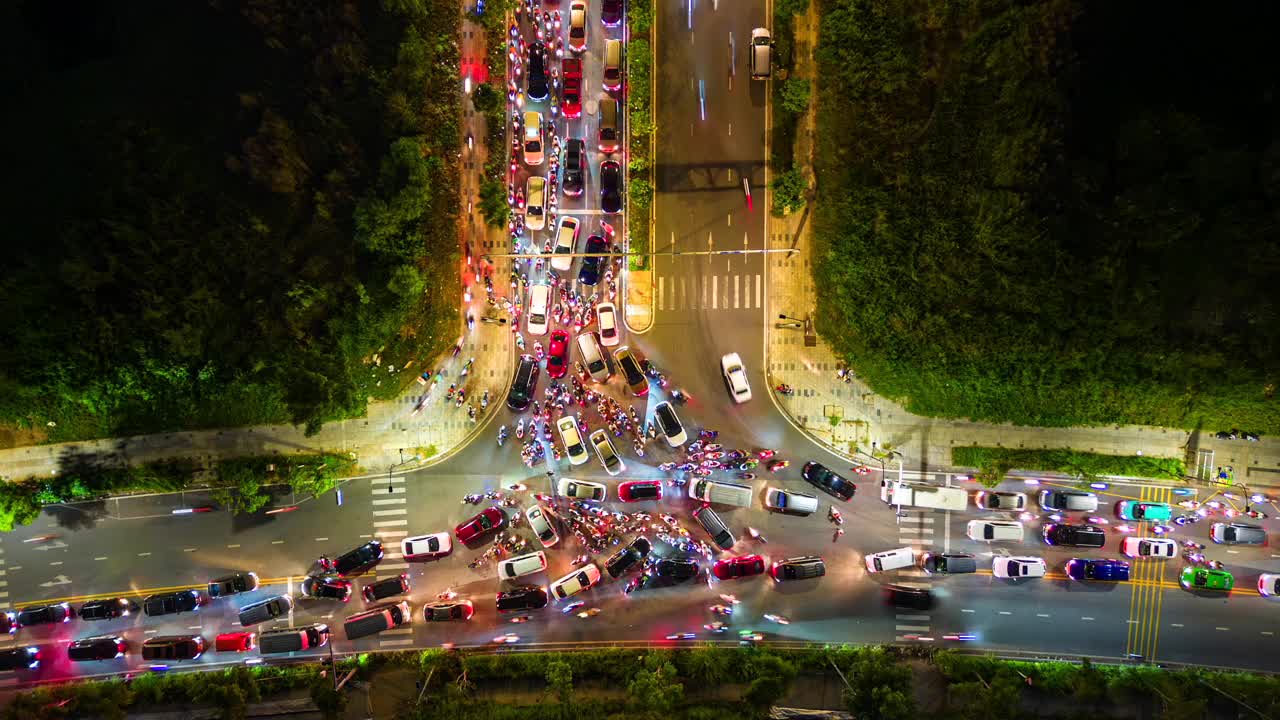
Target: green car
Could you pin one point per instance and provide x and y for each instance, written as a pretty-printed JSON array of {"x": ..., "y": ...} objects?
[
  {"x": 1198, "y": 578},
  {"x": 1144, "y": 511}
]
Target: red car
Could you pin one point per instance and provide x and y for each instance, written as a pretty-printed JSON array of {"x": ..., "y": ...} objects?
[
  {"x": 571, "y": 71},
  {"x": 738, "y": 567},
  {"x": 640, "y": 490},
  {"x": 490, "y": 520},
  {"x": 235, "y": 642},
  {"x": 558, "y": 354}
]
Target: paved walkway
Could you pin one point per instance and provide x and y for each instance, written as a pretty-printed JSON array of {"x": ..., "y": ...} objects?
[
  {"x": 392, "y": 433},
  {"x": 848, "y": 416}
]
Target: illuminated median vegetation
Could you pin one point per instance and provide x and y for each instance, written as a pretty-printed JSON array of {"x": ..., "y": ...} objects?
[{"x": 992, "y": 463}]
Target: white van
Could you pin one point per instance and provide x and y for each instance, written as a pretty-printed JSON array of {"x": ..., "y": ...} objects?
[
  {"x": 539, "y": 301},
  {"x": 791, "y": 503},
  {"x": 522, "y": 565},
  {"x": 593, "y": 357},
  {"x": 891, "y": 560},
  {"x": 720, "y": 493},
  {"x": 994, "y": 530}
]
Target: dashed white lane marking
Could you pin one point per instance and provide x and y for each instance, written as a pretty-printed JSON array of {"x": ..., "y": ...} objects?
[
  {"x": 1087, "y": 618},
  {"x": 1042, "y": 614},
  {"x": 395, "y": 643},
  {"x": 968, "y": 611},
  {"x": 234, "y": 546},
  {"x": 1267, "y": 632},
  {"x": 1005, "y": 612},
  {"x": 393, "y": 511},
  {"x": 104, "y": 557},
  {"x": 145, "y": 554},
  {"x": 321, "y": 539},
  {"x": 1177, "y": 625},
  {"x": 390, "y": 523},
  {"x": 1222, "y": 629},
  {"x": 56, "y": 562},
  {"x": 195, "y": 627},
  {"x": 150, "y": 632},
  {"x": 1233, "y": 552},
  {"x": 913, "y": 617},
  {"x": 912, "y": 628},
  {"x": 277, "y": 542}
]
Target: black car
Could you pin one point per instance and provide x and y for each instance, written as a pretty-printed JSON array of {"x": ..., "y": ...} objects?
[
  {"x": 1083, "y": 535},
  {"x": 105, "y": 609},
  {"x": 524, "y": 385},
  {"x": 909, "y": 597},
  {"x": 627, "y": 557},
  {"x": 590, "y": 272},
  {"x": 385, "y": 588},
  {"x": 106, "y": 647},
  {"x": 171, "y": 603},
  {"x": 45, "y": 614},
  {"x": 610, "y": 187},
  {"x": 948, "y": 563},
  {"x": 233, "y": 584},
  {"x": 355, "y": 562},
  {"x": 173, "y": 647},
  {"x": 326, "y": 587},
  {"x": 677, "y": 569},
  {"x": 611, "y": 12},
  {"x": 538, "y": 88},
  {"x": 522, "y": 597},
  {"x": 20, "y": 658},
  {"x": 575, "y": 166},
  {"x": 823, "y": 479}
]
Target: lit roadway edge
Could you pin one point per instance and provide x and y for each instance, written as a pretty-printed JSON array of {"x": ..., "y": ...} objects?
[{"x": 137, "y": 546}]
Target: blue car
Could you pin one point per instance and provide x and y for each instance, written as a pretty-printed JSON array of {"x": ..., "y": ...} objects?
[{"x": 1098, "y": 569}]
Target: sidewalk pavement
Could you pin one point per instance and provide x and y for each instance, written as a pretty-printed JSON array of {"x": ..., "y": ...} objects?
[
  {"x": 391, "y": 434},
  {"x": 848, "y": 416}
]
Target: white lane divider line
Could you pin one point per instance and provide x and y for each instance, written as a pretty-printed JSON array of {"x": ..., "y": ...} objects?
[
  {"x": 277, "y": 542},
  {"x": 1044, "y": 615},
  {"x": 104, "y": 557},
  {"x": 1222, "y": 629},
  {"x": 234, "y": 546},
  {"x": 1177, "y": 625},
  {"x": 1005, "y": 612},
  {"x": 188, "y": 549},
  {"x": 145, "y": 554},
  {"x": 1087, "y": 618},
  {"x": 321, "y": 539},
  {"x": 967, "y": 610},
  {"x": 1267, "y": 632}
]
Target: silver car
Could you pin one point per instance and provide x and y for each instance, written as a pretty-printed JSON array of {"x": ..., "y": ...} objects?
[{"x": 1238, "y": 534}]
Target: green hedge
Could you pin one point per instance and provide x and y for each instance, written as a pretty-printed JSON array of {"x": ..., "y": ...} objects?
[
  {"x": 238, "y": 484},
  {"x": 993, "y": 463},
  {"x": 640, "y": 129}
]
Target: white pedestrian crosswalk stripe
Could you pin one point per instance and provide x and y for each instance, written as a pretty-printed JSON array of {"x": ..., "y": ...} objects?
[
  {"x": 391, "y": 511},
  {"x": 716, "y": 292},
  {"x": 390, "y": 523}
]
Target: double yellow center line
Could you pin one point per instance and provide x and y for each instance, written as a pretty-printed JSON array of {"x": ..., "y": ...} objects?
[{"x": 1147, "y": 579}]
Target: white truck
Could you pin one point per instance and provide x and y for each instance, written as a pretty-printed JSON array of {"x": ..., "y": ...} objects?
[{"x": 918, "y": 495}]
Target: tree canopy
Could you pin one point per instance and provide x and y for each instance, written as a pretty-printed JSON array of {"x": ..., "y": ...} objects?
[
  {"x": 1056, "y": 212},
  {"x": 230, "y": 212}
]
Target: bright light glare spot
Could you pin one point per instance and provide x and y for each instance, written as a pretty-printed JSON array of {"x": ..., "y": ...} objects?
[
  {"x": 1099, "y": 486},
  {"x": 1032, "y": 481}
]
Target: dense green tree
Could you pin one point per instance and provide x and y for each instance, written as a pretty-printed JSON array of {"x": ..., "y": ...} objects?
[
  {"x": 655, "y": 688},
  {"x": 788, "y": 189},
  {"x": 795, "y": 95}
]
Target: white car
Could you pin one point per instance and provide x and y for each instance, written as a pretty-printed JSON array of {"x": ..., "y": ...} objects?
[
  {"x": 522, "y": 565},
  {"x": 607, "y": 317},
  {"x": 572, "y": 439},
  {"x": 426, "y": 547},
  {"x": 575, "y": 582},
  {"x": 994, "y": 530},
  {"x": 1014, "y": 568},
  {"x": 532, "y": 145},
  {"x": 669, "y": 424},
  {"x": 1009, "y": 501},
  {"x": 540, "y": 524},
  {"x": 566, "y": 242},
  {"x": 581, "y": 489},
  {"x": 1153, "y": 548},
  {"x": 535, "y": 215},
  {"x": 735, "y": 378},
  {"x": 539, "y": 308},
  {"x": 578, "y": 25},
  {"x": 1268, "y": 584},
  {"x": 608, "y": 455}
]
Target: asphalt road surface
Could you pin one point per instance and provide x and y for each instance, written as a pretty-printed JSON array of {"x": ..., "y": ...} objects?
[{"x": 706, "y": 308}]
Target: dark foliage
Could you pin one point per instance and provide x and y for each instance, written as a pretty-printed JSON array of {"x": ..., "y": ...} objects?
[{"x": 1053, "y": 212}]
